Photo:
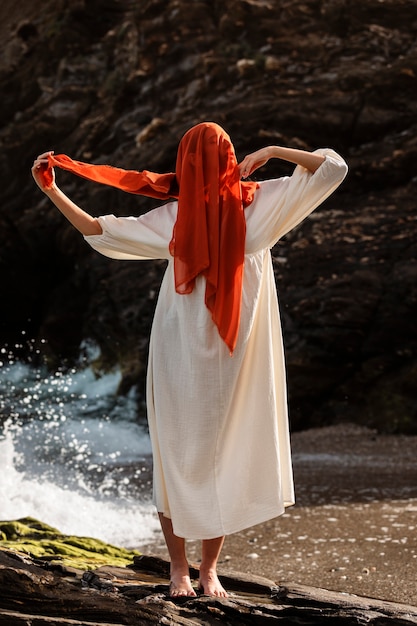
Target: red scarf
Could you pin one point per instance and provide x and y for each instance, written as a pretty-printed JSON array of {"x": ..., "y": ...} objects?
[{"x": 209, "y": 234}]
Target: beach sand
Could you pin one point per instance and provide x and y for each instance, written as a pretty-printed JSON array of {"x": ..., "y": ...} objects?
[{"x": 354, "y": 526}]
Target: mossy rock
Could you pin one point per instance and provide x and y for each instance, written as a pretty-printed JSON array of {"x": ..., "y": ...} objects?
[
  {"x": 44, "y": 542},
  {"x": 26, "y": 527}
]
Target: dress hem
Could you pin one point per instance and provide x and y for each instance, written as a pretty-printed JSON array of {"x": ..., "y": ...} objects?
[{"x": 255, "y": 520}]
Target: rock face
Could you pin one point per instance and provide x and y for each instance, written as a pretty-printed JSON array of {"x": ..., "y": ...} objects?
[
  {"x": 36, "y": 594},
  {"x": 119, "y": 82}
]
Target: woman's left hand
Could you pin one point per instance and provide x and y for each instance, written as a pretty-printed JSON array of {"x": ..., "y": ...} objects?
[{"x": 254, "y": 161}]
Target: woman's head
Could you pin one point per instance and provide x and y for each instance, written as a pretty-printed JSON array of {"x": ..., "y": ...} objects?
[
  {"x": 209, "y": 234},
  {"x": 206, "y": 148}
]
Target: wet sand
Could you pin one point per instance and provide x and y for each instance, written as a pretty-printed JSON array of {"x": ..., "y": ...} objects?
[{"x": 354, "y": 526}]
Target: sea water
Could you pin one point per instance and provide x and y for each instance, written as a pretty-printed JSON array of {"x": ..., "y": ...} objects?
[{"x": 74, "y": 453}]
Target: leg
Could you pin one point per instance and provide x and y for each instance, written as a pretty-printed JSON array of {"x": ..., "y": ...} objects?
[
  {"x": 180, "y": 574},
  {"x": 209, "y": 582}
]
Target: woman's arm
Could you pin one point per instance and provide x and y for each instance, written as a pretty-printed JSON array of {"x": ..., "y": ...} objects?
[
  {"x": 82, "y": 221},
  {"x": 287, "y": 200},
  {"x": 255, "y": 160}
]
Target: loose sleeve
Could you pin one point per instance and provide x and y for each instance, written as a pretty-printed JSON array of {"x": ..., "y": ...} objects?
[
  {"x": 136, "y": 238},
  {"x": 283, "y": 203}
]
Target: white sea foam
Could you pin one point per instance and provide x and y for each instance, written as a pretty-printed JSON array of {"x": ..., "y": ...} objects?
[
  {"x": 117, "y": 520},
  {"x": 73, "y": 455}
]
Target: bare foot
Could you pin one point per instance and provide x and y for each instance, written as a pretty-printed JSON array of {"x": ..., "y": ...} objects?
[
  {"x": 210, "y": 585},
  {"x": 180, "y": 586}
]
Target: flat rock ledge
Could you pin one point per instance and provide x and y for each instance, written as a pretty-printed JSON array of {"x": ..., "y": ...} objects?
[{"x": 41, "y": 593}]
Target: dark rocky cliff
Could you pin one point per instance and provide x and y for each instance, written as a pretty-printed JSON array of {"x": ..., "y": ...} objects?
[{"x": 117, "y": 81}]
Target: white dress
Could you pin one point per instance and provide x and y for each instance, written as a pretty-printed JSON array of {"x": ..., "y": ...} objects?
[{"x": 218, "y": 424}]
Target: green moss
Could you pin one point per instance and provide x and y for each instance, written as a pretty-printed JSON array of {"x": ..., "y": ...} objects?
[
  {"x": 41, "y": 541},
  {"x": 26, "y": 527}
]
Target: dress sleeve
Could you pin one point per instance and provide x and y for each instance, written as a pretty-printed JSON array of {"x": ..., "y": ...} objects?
[
  {"x": 283, "y": 203},
  {"x": 136, "y": 238}
]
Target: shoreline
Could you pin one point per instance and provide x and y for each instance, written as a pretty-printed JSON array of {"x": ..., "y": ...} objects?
[{"x": 353, "y": 528}]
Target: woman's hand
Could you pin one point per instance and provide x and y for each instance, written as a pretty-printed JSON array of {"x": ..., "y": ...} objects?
[
  {"x": 40, "y": 164},
  {"x": 82, "y": 221},
  {"x": 309, "y": 160},
  {"x": 254, "y": 161}
]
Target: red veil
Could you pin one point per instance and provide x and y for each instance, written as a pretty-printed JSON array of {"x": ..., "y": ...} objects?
[{"x": 209, "y": 234}]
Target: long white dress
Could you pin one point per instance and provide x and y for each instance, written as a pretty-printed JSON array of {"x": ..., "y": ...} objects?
[{"x": 218, "y": 424}]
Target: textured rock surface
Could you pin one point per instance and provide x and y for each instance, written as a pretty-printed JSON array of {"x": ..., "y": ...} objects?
[
  {"x": 119, "y": 82},
  {"x": 35, "y": 595}
]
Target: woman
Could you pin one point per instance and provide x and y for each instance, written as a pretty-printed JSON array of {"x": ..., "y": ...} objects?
[{"x": 216, "y": 390}]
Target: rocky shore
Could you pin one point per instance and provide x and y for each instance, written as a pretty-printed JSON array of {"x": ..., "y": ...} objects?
[
  {"x": 37, "y": 594},
  {"x": 346, "y": 553}
]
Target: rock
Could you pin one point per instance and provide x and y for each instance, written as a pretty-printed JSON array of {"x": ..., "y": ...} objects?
[
  {"x": 137, "y": 594},
  {"x": 245, "y": 67},
  {"x": 122, "y": 89},
  {"x": 149, "y": 131}
]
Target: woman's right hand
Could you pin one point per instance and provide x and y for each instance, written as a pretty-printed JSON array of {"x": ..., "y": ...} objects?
[
  {"x": 44, "y": 177},
  {"x": 40, "y": 165}
]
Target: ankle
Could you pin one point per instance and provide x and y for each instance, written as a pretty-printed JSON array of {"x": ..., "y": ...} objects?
[
  {"x": 180, "y": 567},
  {"x": 208, "y": 570}
]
